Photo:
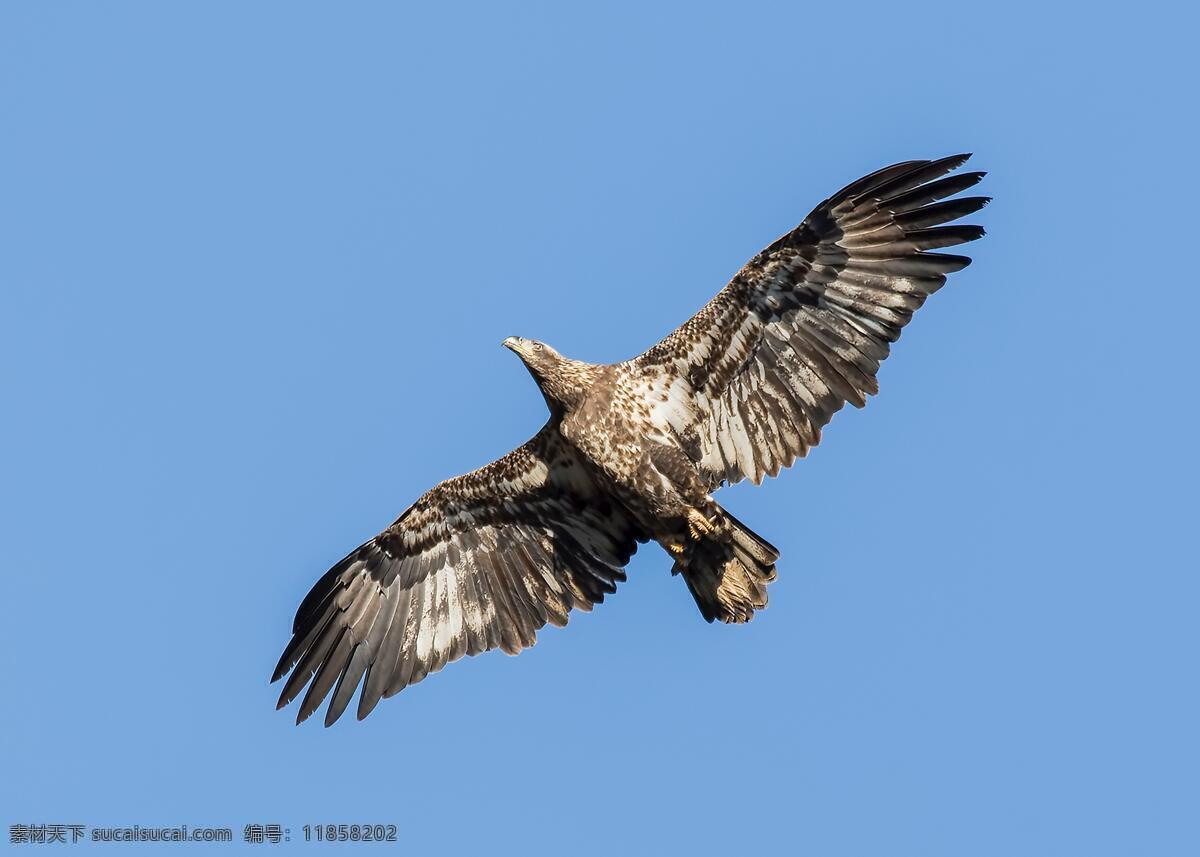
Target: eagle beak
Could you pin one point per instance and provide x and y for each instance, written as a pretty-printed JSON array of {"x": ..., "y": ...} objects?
[{"x": 512, "y": 343}]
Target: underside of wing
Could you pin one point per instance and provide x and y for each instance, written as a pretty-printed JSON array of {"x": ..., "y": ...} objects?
[
  {"x": 749, "y": 381},
  {"x": 480, "y": 562}
]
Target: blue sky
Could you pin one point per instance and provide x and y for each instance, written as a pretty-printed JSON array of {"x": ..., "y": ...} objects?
[{"x": 257, "y": 263}]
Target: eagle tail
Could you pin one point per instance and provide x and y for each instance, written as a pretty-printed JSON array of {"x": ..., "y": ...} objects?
[{"x": 727, "y": 570}]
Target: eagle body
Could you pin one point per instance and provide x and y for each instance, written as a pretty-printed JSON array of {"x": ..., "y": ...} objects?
[
  {"x": 634, "y": 455},
  {"x": 633, "y": 452}
]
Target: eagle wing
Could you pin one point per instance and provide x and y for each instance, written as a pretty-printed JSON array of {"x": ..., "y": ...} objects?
[
  {"x": 749, "y": 381},
  {"x": 479, "y": 562}
]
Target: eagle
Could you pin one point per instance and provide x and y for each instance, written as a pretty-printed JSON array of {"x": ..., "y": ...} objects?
[{"x": 633, "y": 452}]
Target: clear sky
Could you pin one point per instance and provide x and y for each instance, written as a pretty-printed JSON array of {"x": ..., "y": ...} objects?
[{"x": 257, "y": 261}]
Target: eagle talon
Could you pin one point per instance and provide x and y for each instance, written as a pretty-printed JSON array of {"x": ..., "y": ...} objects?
[
  {"x": 698, "y": 525},
  {"x": 677, "y": 550}
]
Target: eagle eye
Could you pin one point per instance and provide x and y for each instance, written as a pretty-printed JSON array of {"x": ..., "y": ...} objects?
[{"x": 537, "y": 346}]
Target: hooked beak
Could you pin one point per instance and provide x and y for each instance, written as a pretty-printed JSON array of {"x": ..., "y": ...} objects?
[{"x": 513, "y": 343}]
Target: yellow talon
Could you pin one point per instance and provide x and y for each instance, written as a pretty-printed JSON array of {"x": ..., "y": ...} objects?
[
  {"x": 698, "y": 525},
  {"x": 676, "y": 549}
]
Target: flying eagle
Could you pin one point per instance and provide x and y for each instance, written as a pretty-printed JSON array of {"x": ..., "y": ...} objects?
[{"x": 633, "y": 451}]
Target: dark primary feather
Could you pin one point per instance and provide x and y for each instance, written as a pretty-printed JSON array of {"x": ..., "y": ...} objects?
[
  {"x": 480, "y": 562},
  {"x": 803, "y": 327}
]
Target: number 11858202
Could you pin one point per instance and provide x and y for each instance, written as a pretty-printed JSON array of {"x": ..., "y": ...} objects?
[{"x": 349, "y": 833}]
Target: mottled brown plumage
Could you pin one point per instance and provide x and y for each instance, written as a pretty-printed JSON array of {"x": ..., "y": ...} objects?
[{"x": 633, "y": 452}]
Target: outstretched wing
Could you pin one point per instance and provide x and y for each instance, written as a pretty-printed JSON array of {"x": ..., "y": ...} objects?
[
  {"x": 479, "y": 562},
  {"x": 749, "y": 381}
]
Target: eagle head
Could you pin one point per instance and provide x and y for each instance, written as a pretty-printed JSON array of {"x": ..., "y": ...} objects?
[
  {"x": 532, "y": 352},
  {"x": 563, "y": 381}
]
